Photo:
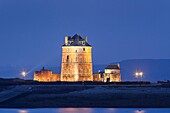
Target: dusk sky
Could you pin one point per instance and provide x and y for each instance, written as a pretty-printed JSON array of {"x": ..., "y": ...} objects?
[{"x": 32, "y": 31}]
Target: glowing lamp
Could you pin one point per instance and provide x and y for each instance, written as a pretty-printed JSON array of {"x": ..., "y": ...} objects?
[
  {"x": 141, "y": 73},
  {"x": 136, "y": 73},
  {"x": 23, "y": 73}
]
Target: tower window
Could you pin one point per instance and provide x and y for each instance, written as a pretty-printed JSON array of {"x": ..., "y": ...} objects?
[
  {"x": 83, "y": 49},
  {"x": 67, "y": 57}
]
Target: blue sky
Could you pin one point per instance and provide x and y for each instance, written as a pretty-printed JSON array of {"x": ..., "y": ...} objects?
[{"x": 32, "y": 31}]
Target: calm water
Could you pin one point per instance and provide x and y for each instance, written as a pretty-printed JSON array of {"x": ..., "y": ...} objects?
[{"x": 85, "y": 110}]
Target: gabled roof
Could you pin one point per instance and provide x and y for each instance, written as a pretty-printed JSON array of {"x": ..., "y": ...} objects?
[
  {"x": 76, "y": 40},
  {"x": 113, "y": 66}
]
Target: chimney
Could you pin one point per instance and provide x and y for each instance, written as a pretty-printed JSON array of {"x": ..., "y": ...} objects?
[
  {"x": 66, "y": 40},
  {"x": 85, "y": 38},
  {"x": 118, "y": 65}
]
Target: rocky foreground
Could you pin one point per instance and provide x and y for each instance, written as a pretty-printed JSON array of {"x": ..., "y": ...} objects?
[{"x": 54, "y": 96}]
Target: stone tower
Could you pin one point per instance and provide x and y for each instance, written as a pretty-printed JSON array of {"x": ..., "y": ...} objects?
[{"x": 76, "y": 59}]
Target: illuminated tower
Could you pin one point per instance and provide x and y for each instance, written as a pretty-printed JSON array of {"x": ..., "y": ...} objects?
[{"x": 76, "y": 59}]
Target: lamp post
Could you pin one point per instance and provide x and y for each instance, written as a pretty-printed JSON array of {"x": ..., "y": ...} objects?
[
  {"x": 139, "y": 74},
  {"x": 24, "y": 74}
]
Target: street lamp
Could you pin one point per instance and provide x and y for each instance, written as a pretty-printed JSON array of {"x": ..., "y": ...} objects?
[
  {"x": 139, "y": 74},
  {"x": 23, "y": 74}
]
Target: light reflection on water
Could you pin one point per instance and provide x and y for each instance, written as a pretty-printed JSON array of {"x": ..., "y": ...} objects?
[
  {"x": 87, "y": 110},
  {"x": 139, "y": 111},
  {"x": 74, "y": 110},
  {"x": 22, "y": 111}
]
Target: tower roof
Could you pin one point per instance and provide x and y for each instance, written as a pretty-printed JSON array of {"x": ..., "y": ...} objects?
[
  {"x": 77, "y": 37},
  {"x": 76, "y": 40},
  {"x": 113, "y": 66}
]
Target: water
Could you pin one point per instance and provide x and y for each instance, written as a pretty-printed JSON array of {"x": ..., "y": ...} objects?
[{"x": 87, "y": 110}]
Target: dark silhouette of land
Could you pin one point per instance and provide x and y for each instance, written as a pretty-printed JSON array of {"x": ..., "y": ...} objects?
[{"x": 30, "y": 94}]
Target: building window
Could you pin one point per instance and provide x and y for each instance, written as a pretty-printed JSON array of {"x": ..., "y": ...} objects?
[
  {"x": 67, "y": 57},
  {"x": 83, "y": 49}
]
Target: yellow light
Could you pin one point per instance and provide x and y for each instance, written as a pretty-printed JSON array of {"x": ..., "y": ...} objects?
[
  {"x": 23, "y": 111},
  {"x": 23, "y": 73},
  {"x": 141, "y": 73},
  {"x": 137, "y": 74}
]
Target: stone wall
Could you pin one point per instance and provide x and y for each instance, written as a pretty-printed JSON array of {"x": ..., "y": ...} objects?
[
  {"x": 76, "y": 63},
  {"x": 46, "y": 76}
]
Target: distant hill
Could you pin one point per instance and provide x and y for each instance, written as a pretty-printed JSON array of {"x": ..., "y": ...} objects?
[{"x": 153, "y": 69}]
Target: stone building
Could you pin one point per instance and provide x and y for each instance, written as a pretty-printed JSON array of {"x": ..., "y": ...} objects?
[
  {"x": 46, "y": 76},
  {"x": 77, "y": 65},
  {"x": 110, "y": 74},
  {"x": 76, "y": 59}
]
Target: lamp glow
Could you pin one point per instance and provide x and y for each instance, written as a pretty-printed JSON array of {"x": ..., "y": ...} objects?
[
  {"x": 139, "y": 74},
  {"x": 23, "y": 73}
]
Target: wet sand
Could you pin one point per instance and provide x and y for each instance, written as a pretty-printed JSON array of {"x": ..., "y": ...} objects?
[{"x": 48, "y": 96}]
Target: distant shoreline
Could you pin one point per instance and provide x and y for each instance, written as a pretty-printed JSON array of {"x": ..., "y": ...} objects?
[{"x": 55, "y": 96}]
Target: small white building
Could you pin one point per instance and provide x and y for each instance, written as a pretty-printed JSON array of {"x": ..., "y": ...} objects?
[{"x": 112, "y": 73}]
